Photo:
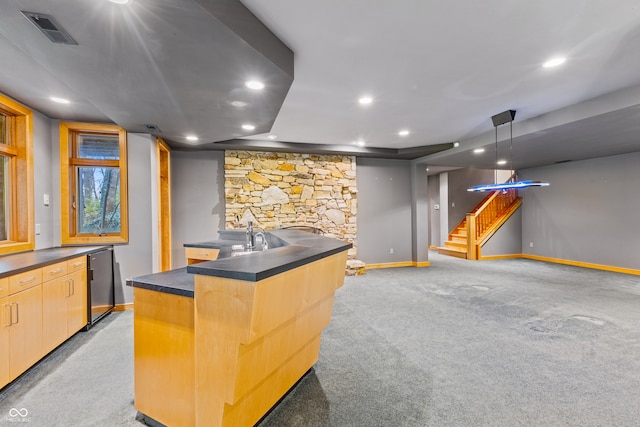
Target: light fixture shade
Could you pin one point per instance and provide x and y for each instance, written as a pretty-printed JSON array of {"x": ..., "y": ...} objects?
[{"x": 508, "y": 185}]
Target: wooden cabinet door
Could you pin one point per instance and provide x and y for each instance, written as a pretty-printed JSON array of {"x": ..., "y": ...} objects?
[
  {"x": 25, "y": 334},
  {"x": 4, "y": 287},
  {"x": 77, "y": 301},
  {"x": 4, "y": 341},
  {"x": 55, "y": 294}
]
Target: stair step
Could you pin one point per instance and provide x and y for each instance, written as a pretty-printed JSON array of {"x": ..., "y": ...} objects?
[
  {"x": 458, "y": 233},
  {"x": 454, "y": 244},
  {"x": 453, "y": 252},
  {"x": 455, "y": 236}
]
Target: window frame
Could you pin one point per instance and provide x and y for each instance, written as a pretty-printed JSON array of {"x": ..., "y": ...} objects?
[
  {"x": 21, "y": 175},
  {"x": 69, "y": 235}
]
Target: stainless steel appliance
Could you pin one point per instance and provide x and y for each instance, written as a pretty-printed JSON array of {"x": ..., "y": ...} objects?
[{"x": 100, "y": 292}]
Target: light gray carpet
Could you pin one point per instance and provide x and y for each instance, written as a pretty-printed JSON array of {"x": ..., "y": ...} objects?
[
  {"x": 461, "y": 343},
  {"x": 88, "y": 381}
]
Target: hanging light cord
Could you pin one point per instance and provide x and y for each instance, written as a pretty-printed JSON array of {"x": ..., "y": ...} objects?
[
  {"x": 495, "y": 168},
  {"x": 511, "y": 149}
]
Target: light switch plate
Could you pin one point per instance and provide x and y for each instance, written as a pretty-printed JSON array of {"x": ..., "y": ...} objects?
[{"x": 46, "y": 200}]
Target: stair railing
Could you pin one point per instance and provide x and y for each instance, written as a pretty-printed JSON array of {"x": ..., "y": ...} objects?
[{"x": 482, "y": 219}]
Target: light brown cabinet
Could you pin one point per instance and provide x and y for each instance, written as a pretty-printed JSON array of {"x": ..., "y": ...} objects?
[
  {"x": 77, "y": 302},
  {"x": 4, "y": 337},
  {"x": 195, "y": 255},
  {"x": 39, "y": 309},
  {"x": 64, "y": 301},
  {"x": 25, "y": 329}
]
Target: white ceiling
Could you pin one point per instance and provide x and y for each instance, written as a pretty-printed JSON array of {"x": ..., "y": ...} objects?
[{"x": 440, "y": 69}]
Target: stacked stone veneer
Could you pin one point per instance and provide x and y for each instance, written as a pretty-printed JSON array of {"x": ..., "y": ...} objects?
[{"x": 282, "y": 189}]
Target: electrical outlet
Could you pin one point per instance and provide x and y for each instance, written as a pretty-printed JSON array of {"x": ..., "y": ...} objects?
[
  {"x": 530, "y": 244},
  {"x": 390, "y": 250}
]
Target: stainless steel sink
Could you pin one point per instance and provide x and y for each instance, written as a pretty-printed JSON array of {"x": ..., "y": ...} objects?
[{"x": 238, "y": 253}]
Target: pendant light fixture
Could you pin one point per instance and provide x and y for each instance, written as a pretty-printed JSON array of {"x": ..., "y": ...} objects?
[{"x": 500, "y": 119}]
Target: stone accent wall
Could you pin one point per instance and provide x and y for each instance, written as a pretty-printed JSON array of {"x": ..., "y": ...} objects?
[{"x": 277, "y": 190}]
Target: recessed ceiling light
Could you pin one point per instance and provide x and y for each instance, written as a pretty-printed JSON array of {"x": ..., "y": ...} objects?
[
  {"x": 554, "y": 62},
  {"x": 59, "y": 100},
  {"x": 120, "y": 1},
  {"x": 403, "y": 132},
  {"x": 365, "y": 100},
  {"x": 239, "y": 104},
  {"x": 248, "y": 126},
  {"x": 502, "y": 162},
  {"x": 456, "y": 144},
  {"x": 254, "y": 84},
  {"x": 272, "y": 136},
  {"x": 478, "y": 150},
  {"x": 360, "y": 143},
  {"x": 192, "y": 138}
]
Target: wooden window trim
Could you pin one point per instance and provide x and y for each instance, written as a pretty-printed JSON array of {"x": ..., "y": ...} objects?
[
  {"x": 66, "y": 184},
  {"x": 163, "y": 156},
  {"x": 21, "y": 173}
]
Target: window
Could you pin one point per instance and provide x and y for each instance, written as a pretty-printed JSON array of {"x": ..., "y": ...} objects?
[
  {"x": 17, "y": 230},
  {"x": 93, "y": 183}
]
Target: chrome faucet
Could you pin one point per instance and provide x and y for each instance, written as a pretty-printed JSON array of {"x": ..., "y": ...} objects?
[
  {"x": 251, "y": 237},
  {"x": 265, "y": 244}
]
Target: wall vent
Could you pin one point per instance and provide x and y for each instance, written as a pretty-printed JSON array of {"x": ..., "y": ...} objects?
[{"x": 49, "y": 27}]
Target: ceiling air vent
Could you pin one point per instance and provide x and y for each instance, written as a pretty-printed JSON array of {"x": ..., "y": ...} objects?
[
  {"x": 50, "y": 27},
  {"x": 152, "y": 128}
]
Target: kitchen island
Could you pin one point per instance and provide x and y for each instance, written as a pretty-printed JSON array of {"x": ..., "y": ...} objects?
[{"x": 220, "y": 342}]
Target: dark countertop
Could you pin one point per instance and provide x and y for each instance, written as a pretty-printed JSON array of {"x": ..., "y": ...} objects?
[
  {"x": 176, "y": 282},
  {"x": 18, "y": 263},
  {"x": 294, "y": 248}
]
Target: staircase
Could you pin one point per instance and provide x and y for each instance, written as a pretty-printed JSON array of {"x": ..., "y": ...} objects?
[
  {"x": 468, "y": 237},
  {"x": 457, "y": 243}
]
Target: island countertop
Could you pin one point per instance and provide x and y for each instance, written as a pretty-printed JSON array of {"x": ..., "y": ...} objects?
[
  {"x": 295, "y": 248},
  {"x": 220, "y": 342}
]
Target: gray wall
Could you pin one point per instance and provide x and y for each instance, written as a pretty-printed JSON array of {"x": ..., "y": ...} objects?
[
  {"x": 43, "y": 180},
  {"x": 433, "y": 185},
  {"x": 197, "y": 199},
  {"x": 461, "y": 201},
  {"x": 135, "y": 258},
  {"x": 508, "y": 239},
  {"x": 589, "y": 213},
  {"x": 443, "y": 191},
  {"x": 419, "y": 213},
  {"x": 384, "y": 210}
]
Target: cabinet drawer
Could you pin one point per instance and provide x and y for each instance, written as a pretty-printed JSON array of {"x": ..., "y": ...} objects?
[
  {"x": 76, "y": 264},
  {"x": 207, "y": 254},
  {"x": 4, "y": 287},
  {"x": 22, "y": 281},
  {"x": 53, "y": 271}
]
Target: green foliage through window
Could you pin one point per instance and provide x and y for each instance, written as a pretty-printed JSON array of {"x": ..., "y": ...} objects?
[{"x": 98, "y": 206}]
